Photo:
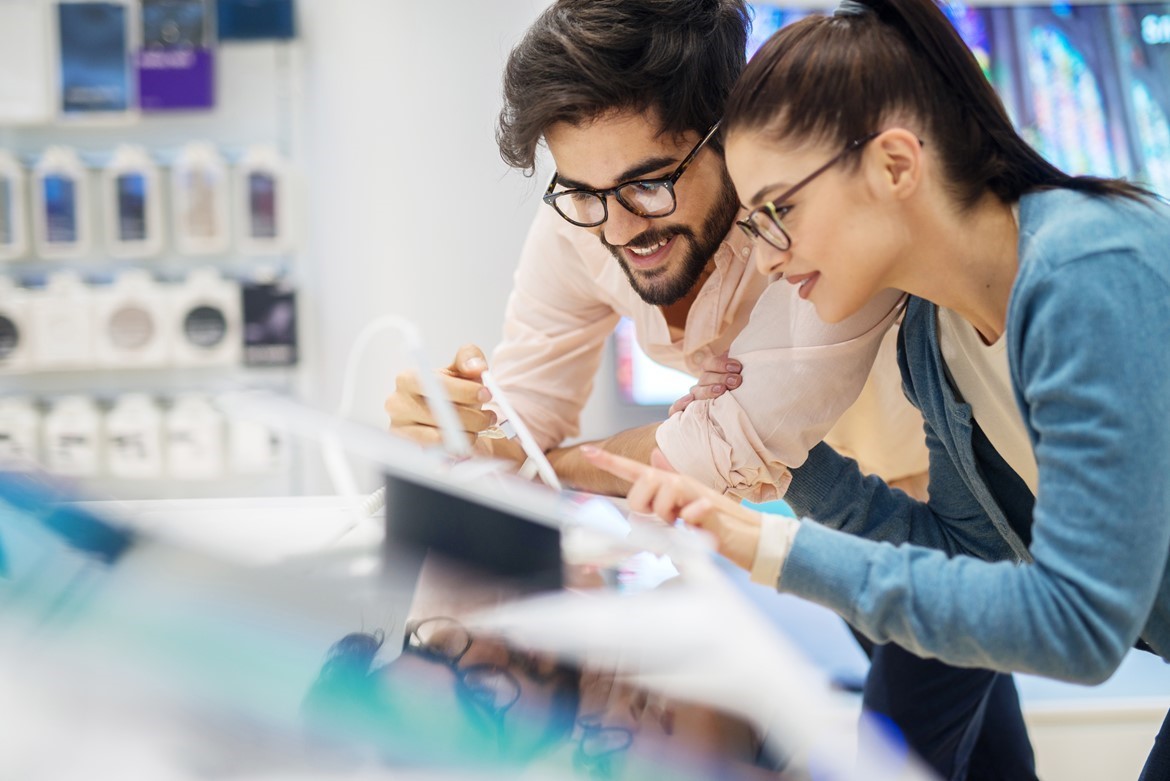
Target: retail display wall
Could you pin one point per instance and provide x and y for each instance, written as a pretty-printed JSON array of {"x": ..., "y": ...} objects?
[{"x": 151, "y": 204}]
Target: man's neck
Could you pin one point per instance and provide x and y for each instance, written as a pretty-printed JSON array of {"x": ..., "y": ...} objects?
[{"x": 676, "y": 314}]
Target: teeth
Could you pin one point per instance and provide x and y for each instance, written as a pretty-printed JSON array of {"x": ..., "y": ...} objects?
[{"x": 644, "y": 251}]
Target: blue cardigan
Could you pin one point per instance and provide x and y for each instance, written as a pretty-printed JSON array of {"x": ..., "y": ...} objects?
[{"x": 1069, "y": 591}]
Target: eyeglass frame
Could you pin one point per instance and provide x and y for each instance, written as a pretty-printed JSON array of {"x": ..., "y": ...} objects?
[
  {"x": 668, "y": 182},
  {"x": 473, "y": 694},
  {"x": 591, "y": 727},
  {"x": 748, "y": 226}
]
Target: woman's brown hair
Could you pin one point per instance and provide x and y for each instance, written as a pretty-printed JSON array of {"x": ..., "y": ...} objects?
[{"x": 837, "y": 78}]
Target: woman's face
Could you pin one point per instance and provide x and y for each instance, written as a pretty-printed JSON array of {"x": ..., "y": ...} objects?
[{"x": 843, "y": 237}]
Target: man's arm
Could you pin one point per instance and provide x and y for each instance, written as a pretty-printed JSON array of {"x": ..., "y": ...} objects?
[
  {"x": 799, "y": 375},
  {"x": 577, "y": 472}
]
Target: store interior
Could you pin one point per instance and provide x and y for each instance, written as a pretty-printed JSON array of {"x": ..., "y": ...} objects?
[{"x": 314, "y": 202}]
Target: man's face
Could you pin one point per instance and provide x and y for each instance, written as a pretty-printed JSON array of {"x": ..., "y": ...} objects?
[{"x": 662, "y": 257}]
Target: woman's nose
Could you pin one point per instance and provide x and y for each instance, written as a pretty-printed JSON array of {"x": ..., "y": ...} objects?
[{"x": 769, "y": 260}]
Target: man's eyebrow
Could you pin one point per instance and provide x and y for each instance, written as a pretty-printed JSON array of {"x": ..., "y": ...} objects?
[{"x": 634, "y": 172}]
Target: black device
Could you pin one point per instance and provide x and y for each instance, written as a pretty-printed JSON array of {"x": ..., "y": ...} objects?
[{"x": 472, "y": 528}]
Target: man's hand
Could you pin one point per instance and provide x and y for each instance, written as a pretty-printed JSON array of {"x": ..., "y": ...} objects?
[
  {"x": 719, "y": 374},
  {"x": 410, "y": 413},
  {"x": 670, "y": 495}
]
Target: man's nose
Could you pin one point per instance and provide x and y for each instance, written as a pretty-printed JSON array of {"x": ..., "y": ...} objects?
[{"x": 622, "y": 224}]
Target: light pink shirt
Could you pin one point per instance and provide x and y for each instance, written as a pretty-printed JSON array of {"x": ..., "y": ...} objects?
[{"x": 800, "y": 375}]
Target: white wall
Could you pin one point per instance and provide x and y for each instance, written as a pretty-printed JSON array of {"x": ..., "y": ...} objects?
[{"x": 412, "y": 211}]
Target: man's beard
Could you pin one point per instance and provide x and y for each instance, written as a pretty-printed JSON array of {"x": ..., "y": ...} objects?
[{"x": 665, "y": 285}]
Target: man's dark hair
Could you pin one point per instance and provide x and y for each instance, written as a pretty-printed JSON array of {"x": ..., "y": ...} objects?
[{"x": 584, "y": 58}]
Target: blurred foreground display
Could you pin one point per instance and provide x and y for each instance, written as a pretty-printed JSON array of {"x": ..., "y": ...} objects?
[{"x": 287, "y": 639}]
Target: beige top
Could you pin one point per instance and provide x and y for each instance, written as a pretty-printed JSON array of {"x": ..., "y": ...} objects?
[
  {"x": 983, "y": 380},
  {"x": 799, "y": 374}
]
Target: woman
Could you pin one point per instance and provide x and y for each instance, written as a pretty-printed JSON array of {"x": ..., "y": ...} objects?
[{"x": 872, "y": 153}]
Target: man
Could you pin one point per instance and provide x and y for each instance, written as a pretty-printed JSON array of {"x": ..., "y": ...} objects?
[
  {"x": 626, "y": 94},
  {"x": 682, "y": 275}
]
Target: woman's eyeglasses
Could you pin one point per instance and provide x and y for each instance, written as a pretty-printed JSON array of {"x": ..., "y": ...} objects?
[
  {"x": 764, "y": 221},
  {"x": 490, "y": 690}
]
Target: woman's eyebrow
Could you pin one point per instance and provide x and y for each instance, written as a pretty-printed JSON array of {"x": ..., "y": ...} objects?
[{"x": 768, "y": 188}]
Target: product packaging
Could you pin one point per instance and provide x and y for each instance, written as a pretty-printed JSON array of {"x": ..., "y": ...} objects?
[
  {"x": 26, "y": 48},
  {"x": 193, "y": 438},
  {"x": 61, "y": 205},
  {"x": 270, "y": 324},
  {"x": 15, "y": 331},
  {"x": 263, "y": 203},
  {"x": 131, "y": 322},
  {"x": 61, "y": 317},
  {"x": 13, "y": 220},
  {"x": 72, "y": 437},
  {"x": 20, "y": 434},
  {"x": 205, "y": 316},
  {"x": 200, "y": 197},
  {"x": 176, "y": 69},
  {"x": 133, "y": 198},
  {"x": 94, "y": 40},
  {"x": 134, "y": 438}
]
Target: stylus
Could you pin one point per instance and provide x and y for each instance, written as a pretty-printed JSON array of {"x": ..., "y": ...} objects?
[{"x": 527, "y": 442}]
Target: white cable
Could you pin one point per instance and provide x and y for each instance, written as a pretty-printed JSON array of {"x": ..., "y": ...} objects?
[
  {"x": 336, "y": 464},
  {"x": 527, "y": 441}
]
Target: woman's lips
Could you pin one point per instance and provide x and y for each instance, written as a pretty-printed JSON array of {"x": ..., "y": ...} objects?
[{"x": 805, "y": 281}]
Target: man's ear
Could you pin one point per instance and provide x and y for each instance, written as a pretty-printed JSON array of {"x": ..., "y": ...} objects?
[{"x": 895, "y": 163}]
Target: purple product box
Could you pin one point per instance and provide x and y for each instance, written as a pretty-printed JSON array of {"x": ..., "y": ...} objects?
[{"x": 176, "y": 79}]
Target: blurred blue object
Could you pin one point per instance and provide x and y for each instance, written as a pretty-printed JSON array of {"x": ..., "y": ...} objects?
[
  {"x": 778, "y": 507},
  {"x": 28, "y": 501},
  {"x": 255, "y": 20}
]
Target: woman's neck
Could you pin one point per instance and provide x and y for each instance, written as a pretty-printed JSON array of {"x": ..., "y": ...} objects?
[{"x": 966, "y": 262}]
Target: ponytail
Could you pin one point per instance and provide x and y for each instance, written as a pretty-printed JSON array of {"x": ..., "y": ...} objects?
[{"x": 837, "y": 78}]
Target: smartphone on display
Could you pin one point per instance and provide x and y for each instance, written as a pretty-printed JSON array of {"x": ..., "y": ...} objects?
[
  {"x": 60, "y": 209},
  {"x": 200, "y": 217},
  {"x": 200, "y": 200},
  {"x": 262, "y": 202},
  {"x": 95, "y": 72},
  {"x": 131, "y": 207},
  {"x": 262, "y": 205}
]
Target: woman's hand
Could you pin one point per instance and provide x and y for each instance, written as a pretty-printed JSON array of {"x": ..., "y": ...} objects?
[
  {"x": 663, "y": 492},
  {"x": 719, "y": 374}
]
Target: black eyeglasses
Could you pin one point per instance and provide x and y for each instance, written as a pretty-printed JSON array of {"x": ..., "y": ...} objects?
[
  {"x": 765, "y": 221},
  {"x": 490, "y": 690},
  {"x": 600, "y": 745},
  {"x": 644, "y": 197}
]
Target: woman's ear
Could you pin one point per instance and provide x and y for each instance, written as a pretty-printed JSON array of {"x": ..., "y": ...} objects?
[{"x": 895, "y": 163}]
